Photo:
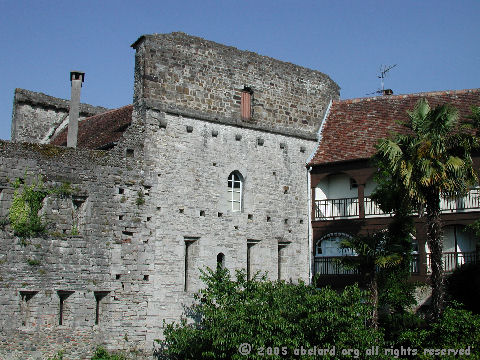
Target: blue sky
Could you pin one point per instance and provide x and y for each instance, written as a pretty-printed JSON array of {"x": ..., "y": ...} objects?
[{"x": 435, "y": 43}]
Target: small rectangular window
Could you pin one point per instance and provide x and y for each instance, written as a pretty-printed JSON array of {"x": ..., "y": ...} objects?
[
  {"x": 189, "y": 261},
  {"x": 99, "y": 295},
  {"x": 281, "y": 261},
  {"x": 27, "y": 315},
  {"x": 251, "y": 258},
  {"x": 246, "y": 103},
  {"x": 63, "y": 309}
]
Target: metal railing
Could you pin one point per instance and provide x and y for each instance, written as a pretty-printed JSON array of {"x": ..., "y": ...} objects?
[
  {"x": 336, "y": 208},
  {"x": 330, "y": 265},
  {"x": 331, "y": 209},
  {"x": 453, "y": 260},
  {"x": 415, "y": 264}
]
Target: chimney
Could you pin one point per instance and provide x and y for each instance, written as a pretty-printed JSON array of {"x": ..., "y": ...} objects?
[{"x": 76, "y": 78}]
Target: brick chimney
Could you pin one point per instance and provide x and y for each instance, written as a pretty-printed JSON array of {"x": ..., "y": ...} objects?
[{"x": 76, "y": 78}]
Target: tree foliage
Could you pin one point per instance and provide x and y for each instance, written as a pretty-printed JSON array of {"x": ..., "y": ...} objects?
[
  {"x": 269, "y": 315},
  {"x": 273, "y": 315},
  {"x": 432, "y": 158}
]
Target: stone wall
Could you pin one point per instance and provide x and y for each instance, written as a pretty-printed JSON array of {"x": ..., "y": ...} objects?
[
  {"x": 37, "y": 117},
  {"x": 159, "y": 200},
  {"x": 183, "y": 71},
  {"x": 189, "y": 163},
  {"x": 94, "y": 248}
]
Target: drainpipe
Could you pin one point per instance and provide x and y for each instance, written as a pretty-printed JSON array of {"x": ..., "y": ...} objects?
[
  {"x": 76, "y": 78},
  {"x": 310, "y": 241}
]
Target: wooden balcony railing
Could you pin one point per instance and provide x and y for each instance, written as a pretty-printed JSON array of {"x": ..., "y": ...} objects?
[
  {"x": 453, "y": 260},
  {"x": 332, "y": 209},
  {"x": 330, "y": 265},
  {"x": 336, "y": 208},
  {"x": 467, "y": 202}
]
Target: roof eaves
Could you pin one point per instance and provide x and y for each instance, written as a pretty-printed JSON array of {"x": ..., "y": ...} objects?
[{"x": 319, "y": 133}]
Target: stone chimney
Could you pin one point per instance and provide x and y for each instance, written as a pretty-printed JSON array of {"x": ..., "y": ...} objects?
[{"x": 76, "y": 78}]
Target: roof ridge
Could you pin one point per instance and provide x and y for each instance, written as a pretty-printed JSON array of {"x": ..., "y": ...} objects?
[
  {"x": 107, "y": 112},
  {"x": 404, "y": 96}
]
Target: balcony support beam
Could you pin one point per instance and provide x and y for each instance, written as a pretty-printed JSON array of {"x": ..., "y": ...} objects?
[{"x": 361, "y": 203}]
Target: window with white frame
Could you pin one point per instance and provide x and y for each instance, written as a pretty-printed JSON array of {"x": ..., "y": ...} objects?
[
  {"x": 329, "y": 246},
  {"x": 235, "y": 186}
]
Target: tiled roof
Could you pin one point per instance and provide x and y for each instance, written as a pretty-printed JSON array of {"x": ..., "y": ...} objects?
[
  {"x": 101, "y": 130},
  {"x": 354, "y": 126}
]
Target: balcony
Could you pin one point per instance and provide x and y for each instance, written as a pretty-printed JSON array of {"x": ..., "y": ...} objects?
[
  {"x": 331, "y": 265},
  {"x": 453, "y": 260},
  {"x": 348, "y": 208}
]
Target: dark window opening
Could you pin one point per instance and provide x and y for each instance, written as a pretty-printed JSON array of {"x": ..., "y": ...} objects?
[
  {"x": 220, "y": 261},
  {"x": 353, "y": 183}
]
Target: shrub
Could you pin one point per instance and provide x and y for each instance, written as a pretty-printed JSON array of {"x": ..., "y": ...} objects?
[
  {"x": 27, "y": 202},
  {"x": 269, "y": 315},
  {"x": 463, "y": 285},
  {"x": 456, "y": 329},
  {"x": 102, "y": 354}
]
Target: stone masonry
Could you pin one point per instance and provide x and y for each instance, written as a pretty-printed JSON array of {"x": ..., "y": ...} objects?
[
  {"x": 112, "y": 264},
  {"x": 38, "y": 117}
]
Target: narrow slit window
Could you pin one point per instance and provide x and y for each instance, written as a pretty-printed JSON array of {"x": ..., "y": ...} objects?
[
  {"x": 281, "y": 261},
  {"x": 25, "y": 307},
  {"x": 235, "y": 187},
  {"x": 246, "y": 103},
  {"x": 220, "y": 261},
  {"x": 187, "y": 258},
  {"x": 63, "y": 310},
  {"x": 99, "y": 295},
  {"x": 190, "y": 263},
  {"x": 251, "y": 258}
]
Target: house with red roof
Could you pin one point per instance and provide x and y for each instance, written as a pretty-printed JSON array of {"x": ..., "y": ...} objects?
[{"x": 342, "y": 180}]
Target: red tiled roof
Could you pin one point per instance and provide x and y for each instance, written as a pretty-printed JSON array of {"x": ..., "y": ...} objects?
[
  {"x": 101, "y": 130},
  {"x": 354, "y": 126}
]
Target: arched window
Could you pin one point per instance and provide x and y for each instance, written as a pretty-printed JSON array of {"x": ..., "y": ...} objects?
[
  {"x": 220, "y": 261},
  {"x": 329, "y": 246},
  {"x": 235, "y": 185}
]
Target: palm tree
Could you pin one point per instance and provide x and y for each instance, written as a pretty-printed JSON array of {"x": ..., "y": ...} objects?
[
  {"x": 372, "y": 253},
  {"x": 432, "y": 158}
]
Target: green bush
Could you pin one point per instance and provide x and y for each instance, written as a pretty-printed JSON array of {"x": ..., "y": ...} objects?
[
  {"x": 27, "y": 202},
  {"x": 59, "y": 356},
  {"x": 269, "y": 316},
  {"x": 463, "y": 286},
  {"x": 102, "y": 354},
  {"x": 456, "y": 329}
]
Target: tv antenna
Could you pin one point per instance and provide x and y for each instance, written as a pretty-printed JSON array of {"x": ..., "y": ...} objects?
[{"x": 384, "y": 69}]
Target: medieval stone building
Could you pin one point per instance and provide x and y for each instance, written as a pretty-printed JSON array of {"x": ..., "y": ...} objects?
[
  {"x": 225, "y": 158},
  {"x": 206, "y": 167}
]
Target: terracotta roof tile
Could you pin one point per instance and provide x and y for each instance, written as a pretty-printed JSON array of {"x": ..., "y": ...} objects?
[
  {"x": 354, "y": 126},
  {"x": 101, "y": 130}
]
